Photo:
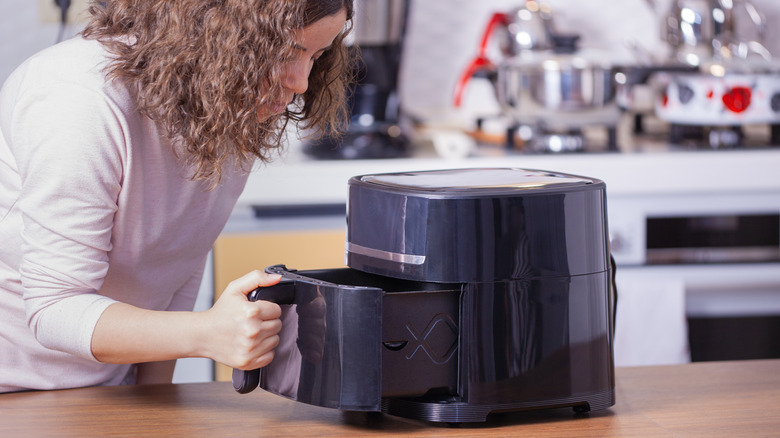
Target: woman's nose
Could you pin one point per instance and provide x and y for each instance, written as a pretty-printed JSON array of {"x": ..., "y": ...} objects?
[{"x": 296, "y": 77}]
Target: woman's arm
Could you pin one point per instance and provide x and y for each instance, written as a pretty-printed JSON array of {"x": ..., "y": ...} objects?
[
  {"x": 235, "y": 331},
  {"x": 155, "y": 372}
]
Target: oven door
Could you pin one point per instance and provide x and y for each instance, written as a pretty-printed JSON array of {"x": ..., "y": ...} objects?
[
  {"x": 679, "y": 313},
  {"x": 698, "y": 275},
  {"x": 736, "y": 318}
]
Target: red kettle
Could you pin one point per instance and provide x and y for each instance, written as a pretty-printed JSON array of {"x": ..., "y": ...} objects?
[{"x": 527, "y": 27}]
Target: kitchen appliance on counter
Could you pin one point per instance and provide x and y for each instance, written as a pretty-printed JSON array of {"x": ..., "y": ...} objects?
[
  {"x": 712, "y": 107},
  {"x": 375, "y": 123},
  {"x": 718, "y": 78},
  {"x": 468, "y": 291},
  {"x": 550, "y": 90}
]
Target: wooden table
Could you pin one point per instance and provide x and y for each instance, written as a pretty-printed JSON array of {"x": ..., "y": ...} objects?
[{"x": 715, "y": 399}]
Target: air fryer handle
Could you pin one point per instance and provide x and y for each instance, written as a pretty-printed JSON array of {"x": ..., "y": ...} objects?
[{"x": 280, "y": 293}]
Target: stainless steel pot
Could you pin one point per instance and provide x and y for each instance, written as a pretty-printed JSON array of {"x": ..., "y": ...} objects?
[
  {"x": 528, "y": 27},
  {"x": 546, "y": 84},
  {"x": 543, "y": 73},
  {"x": 701, "y": 30},
  {"x": 525, "y": 28}
]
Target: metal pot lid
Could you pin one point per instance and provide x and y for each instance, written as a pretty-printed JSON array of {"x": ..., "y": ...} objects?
[
  {"x": 477, "y": 181},
  {"x": 549, "y": 60},
  {"x": 530, "y": 27}
]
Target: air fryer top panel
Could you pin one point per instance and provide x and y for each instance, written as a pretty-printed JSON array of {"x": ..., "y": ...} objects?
[
  {"x": 476, "y": 182},
  {"x": 487, "y": 224}
]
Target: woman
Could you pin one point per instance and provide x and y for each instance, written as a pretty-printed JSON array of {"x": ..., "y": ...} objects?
[{"x": 122, "y": 154}]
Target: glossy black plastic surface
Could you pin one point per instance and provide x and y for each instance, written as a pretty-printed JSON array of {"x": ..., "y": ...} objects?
[
  {"x": 546, "y": 338},
  {"x": 330, "y": 350},
  {"x": 525, "y": 344},
  {"x": 469, "y": 291},
  {"x": 525, "y": 224},
  {"x": 447, "y": 352}
]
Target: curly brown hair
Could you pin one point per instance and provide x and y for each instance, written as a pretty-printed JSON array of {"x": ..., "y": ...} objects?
[{"x": 195, "y": 67}]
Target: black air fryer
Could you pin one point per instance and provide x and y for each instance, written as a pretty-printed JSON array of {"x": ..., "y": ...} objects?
[{"x": 469, "y": 291}]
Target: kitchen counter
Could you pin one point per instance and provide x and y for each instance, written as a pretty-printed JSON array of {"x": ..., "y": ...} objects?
[
  {"x": 657, "y": 171},
  {"x": 650, "y": 180},
  {"x": 712, "y": 399}
]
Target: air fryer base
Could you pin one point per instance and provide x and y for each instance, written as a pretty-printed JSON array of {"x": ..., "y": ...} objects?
[{"x": 446, "y": 411}]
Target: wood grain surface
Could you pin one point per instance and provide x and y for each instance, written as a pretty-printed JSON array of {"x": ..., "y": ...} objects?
[{"x": 712, "y": 399}]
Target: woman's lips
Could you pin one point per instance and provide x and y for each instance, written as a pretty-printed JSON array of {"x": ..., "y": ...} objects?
[
  {"x": 272, "y": 108},
  {"x": 278, "y": 107}
]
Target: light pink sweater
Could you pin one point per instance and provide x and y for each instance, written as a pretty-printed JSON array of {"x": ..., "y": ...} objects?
[{"x": 94, "y": 207}]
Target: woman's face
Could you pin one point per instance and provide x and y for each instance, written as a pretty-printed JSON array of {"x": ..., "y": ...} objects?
[{"x": 313, "y": 41}]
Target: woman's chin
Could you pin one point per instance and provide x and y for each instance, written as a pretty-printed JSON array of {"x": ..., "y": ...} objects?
[{"x": 267, "y": 111}]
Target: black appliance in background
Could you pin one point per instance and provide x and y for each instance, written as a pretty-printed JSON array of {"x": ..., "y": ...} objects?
[
  {"x": 374, "y": 129},
  {"x": 468, "y": 291}
]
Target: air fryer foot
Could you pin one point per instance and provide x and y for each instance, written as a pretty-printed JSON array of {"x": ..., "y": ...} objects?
[
  {"x": 581, "y": 409},
  {"x": 456, "y": 412}
]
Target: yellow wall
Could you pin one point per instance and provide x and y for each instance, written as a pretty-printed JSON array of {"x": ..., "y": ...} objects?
[{"x": 235, "y": 254}]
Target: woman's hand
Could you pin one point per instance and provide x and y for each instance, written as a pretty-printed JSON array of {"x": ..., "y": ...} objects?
[
  {"x": 235, "y": 331},
  {"x": 240, "y": 333}
]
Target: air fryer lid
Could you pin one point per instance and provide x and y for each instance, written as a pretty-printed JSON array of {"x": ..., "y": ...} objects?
[
  {"x": 481, "y": 224},
  {"x": 457, "y": 182}
]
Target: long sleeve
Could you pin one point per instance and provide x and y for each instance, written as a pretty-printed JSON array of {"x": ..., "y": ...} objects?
[
  {"x": 184, "y": 298},
  {"x": 70, "y": 181}
]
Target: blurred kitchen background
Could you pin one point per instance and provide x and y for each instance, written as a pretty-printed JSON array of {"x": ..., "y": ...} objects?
[
  {"x": 694, "y": 189},
  {"x": 441, "y": 38}
]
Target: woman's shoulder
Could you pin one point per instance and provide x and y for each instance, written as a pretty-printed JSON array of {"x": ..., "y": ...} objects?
[
  {"x": 76, "y": 62},
  {"x": 75, "y": 54},
  {"x": 73, "y": 70}
]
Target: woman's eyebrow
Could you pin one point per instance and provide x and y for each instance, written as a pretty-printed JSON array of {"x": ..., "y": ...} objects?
[{"x": 297, "y": 46}]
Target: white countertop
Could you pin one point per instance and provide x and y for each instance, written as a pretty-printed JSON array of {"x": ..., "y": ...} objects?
[{"x": 296, "y": 180}]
